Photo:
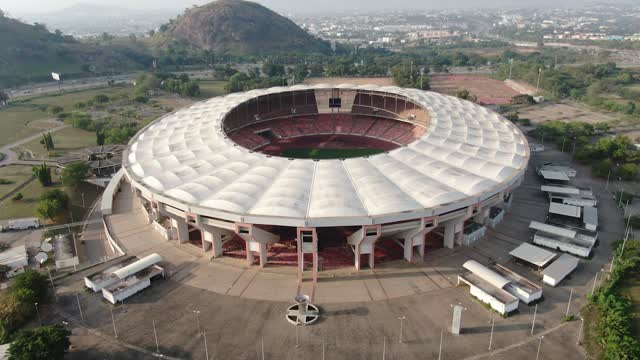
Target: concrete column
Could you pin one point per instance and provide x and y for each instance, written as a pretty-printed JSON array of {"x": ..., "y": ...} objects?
[
  {"x": 216, "y": 242},
  {"x": 449, "y": 234},
  {"x": 249, "y": 254},
  {"x": 482, "y": 216},
  {"x": 357, "y": 255},
  {"x": 182, "y": 229},
  {"x": 263, "y": 255}
]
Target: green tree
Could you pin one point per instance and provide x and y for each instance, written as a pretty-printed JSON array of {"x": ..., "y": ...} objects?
[
  {"x": 270, "y": 69},
  {"x": 47, "y": 141},
  {"x": 53, "y": 203},
  {"x": 43, "y": 173},
  {"x": 44, "y": 343},
  {"x": 33, "y": 281},
  {"x": 56, "y": 109},
  {"x": 75, "y": 173},
  {"x": 100, "y": 136},
  {"x": 4, "y": 269},
  {"x": 101, "y": 99}
]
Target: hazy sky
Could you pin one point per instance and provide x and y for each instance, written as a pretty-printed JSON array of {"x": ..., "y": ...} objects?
[{"x": 19, "y": 7}]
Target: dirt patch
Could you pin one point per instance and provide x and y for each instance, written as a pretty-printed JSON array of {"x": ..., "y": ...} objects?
[
  {"x": 562, "y": 112},
  {"x": 382, "y": 81},
  {"x": 488, "y": 91}
]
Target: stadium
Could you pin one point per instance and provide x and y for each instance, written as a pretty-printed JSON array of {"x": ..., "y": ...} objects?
[{"x": 326, "y": 176}]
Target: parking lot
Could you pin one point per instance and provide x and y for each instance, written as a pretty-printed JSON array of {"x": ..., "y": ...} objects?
[{"x": 237, "y": 326}]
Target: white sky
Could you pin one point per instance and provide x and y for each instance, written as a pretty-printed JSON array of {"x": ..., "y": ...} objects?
[{"x": 19, "y": 7}]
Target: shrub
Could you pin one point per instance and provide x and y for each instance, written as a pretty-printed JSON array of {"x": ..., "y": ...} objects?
[
  {"x": 18, "y": 197},
  {"x": 44, "y": 343}
]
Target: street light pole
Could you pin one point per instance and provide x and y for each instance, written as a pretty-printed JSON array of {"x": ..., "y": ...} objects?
[
  {"x": 569, "y": 303},
  {"x": 206, "y": 349},
  {"x": 52, "y": 286},
  {"x": 539, "y": 346},
  {"x": 533, "y": 323},
  {"x": 580, "y": 330},
  {"x": 38, "y": 313},
  {"x": 79, "y": 307},
  {"x": 197, "y": 312},
  {"x": 384, "y": 347},
  {"x": 155, "y": 335},
  {"x": 113, "y": 321},
  {"x": 491, "y": 336},
  {"x": 401, "y": 318},
  {"x": 440, "y": 349}
]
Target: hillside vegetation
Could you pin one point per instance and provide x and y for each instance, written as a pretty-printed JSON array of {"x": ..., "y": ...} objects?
[{"x": 31, "y": 53}]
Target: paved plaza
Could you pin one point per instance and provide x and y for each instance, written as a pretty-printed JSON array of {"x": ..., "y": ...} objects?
[{"x": 242, "y": 307}]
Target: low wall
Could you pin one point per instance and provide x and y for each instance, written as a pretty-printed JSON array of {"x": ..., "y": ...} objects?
[{"x": 106, "y": 206}]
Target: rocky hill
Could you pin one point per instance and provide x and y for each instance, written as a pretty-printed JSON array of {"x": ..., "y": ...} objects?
[{"x": 238, "y": 27}]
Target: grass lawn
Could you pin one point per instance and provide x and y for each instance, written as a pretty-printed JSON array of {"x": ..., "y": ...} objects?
[
  {"x": 14, "y": 122},
  {"x": 631, "y": 288},
  {"x": 68, "y": 100},
  {"x": 26, "y": 207},
  {"x": 329, "y": 153},
  {"x": 17, "y": 174},
  {"x": 211, "y": 88},
  {"x": 65, "y": 140}
]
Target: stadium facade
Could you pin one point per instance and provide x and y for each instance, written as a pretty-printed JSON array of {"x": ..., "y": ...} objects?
[{"x": 220, "y": 172}]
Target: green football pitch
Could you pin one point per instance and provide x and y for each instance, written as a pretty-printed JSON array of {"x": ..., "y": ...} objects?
[{"x": 328, "y": 153}]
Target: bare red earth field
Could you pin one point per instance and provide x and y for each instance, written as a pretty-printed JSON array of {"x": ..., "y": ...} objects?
[{"x": 489, "y": 91}]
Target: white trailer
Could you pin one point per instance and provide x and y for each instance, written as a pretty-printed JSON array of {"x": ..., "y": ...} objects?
[
  {"x": 563, "y": 239},
  {"x": 559, "y": 269},
  {"x": 22, "y": 224}
]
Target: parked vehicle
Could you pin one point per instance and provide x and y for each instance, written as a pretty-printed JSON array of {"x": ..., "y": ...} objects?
[{"x": 21, "y": 224}]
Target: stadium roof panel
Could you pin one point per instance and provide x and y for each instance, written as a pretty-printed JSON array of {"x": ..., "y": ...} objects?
[{"x": 467, "y": 154}]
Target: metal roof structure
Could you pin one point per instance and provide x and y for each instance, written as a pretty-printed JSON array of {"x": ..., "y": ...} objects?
[
  {"x": 467, "y": 154},
  {"x": 98, "y": 157},
  {"x": 533, "y": 254}
]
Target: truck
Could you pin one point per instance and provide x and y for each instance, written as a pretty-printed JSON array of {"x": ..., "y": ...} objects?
[{"x": 21, "y": 224}]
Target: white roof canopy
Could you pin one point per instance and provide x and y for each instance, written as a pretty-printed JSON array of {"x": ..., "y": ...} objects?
[
  {"x": 554, "y": 175},
  {"x": 486, "y": 274},
  {"x": 590, "y": 215},
  {"x": 533, "y": 254},
  {"x": 137, "y": 266},
  {"x": 467, "y": 154},
  {"x": 560, "y": 189},
  {"x": 560, "y": 268},
  {"x": 564, "y": 209},
  {"x": 554, "y": 230}
]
